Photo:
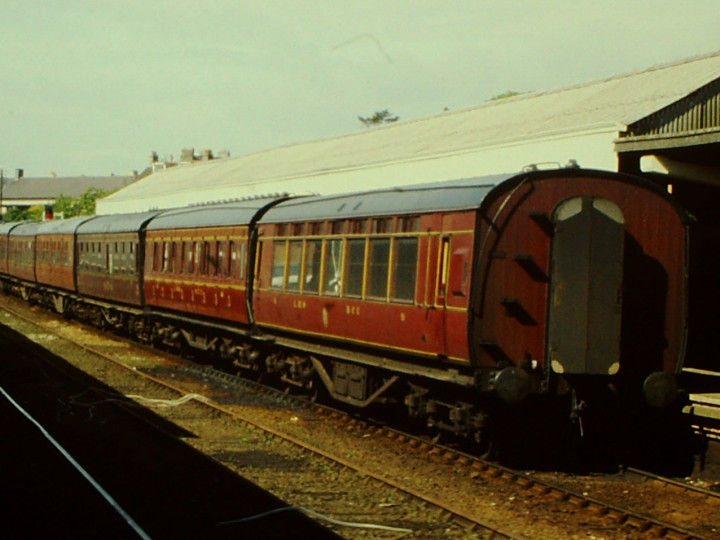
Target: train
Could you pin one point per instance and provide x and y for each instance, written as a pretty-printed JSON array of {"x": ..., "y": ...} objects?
[{"x": 450, "y": 301}]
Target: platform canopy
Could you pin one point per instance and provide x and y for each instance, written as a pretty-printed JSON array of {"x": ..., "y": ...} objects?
[{"x": 582, "y": 122}]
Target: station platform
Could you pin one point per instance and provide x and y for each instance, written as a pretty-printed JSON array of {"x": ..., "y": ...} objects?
[{"x": 707, "y": 405}]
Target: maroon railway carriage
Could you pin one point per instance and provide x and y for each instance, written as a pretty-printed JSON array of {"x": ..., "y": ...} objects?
[
  {"x": 582, "y": 273},
  {"x": 197, "y": 264},
  {"x": 21, "y": 252},
  {"x": 387, "y": 269},
  {"x": 109, "y": 260},
  {"x": 55, "y": 253},
  {"x": 5, "y": 229},
  {"x": 376, "y": 286},
  {"x": 510, "y": 283}
]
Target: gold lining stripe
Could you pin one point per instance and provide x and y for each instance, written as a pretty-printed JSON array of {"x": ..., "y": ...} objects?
[
  {"x": 166, "y": 281},
  {"x": 363, "y": 342}
]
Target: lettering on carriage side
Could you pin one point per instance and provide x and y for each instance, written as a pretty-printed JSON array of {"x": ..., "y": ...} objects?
[
  {"x": 352, "y": 310},
  {"x": 177, "y": 290},
  {"x": 299, "y": 304},
  {"x": 200, "y": 293}
]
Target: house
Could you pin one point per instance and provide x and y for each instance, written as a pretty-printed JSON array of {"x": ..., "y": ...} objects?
[{"x": 21, "y": 192}]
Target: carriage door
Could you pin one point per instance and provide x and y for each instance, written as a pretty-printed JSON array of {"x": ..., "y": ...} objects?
[
  {"x": 453, "y": 293},
  {"x": 584, "y": 319}
]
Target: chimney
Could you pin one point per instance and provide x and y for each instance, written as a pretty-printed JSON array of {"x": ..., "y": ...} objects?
[
  {"x": 207, "y": 155},
  {"x": 153, "y": 157},
  {"x": 19, "y": 173},
  {"x": 187, "y": 155}
]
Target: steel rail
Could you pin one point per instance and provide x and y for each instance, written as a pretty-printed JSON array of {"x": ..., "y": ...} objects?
[{"x": 456, "y": 514}]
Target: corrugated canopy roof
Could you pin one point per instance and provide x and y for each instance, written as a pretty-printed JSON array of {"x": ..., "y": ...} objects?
[
  {"x": 453, "y": 195},
  {"x": 313, "y": 167}
]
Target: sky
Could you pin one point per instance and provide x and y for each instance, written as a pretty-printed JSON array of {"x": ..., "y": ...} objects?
[{"x": 92, "y": 87}]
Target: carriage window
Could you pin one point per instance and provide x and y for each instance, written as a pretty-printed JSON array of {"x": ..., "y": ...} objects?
[
  {"x": 337, "y": 227},
  {"x": 206, "y": 258},
  {"x": 221, "y": 265},
  {"x": 242, "y": 262},
  {"x": 311, "y": 272},
  {"x": 156, "y": 257},
  {"x": 237, "y": 260},
  {"x": 278, "y": 272},
  {"x": 217, "y": 256},
  {"x": 200, "y": 263},
  {"x": 332, "y": 267},
  {"x": 294, "y": 261},
  {"x": 190, "y": 258},
  {"x": 176, "y": 261},
  {"x": 232, "y": 259},
  {"x": 382, "y": 225},
  {"x": 358, "y": 226},
  {"x": 409, "y": 224},
  {"x": 166, "y": 257},
  {"x": 404, "y": 271},
  {"x": 180, "y": 267},
  {"x": 378, "y": 264},
  {"x": 354, "y": 267},
  {"x": 211, "y": 256},
  {"x": 315, "y": 229}
]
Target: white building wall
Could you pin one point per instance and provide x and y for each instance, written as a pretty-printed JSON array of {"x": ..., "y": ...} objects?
[{"x": 591, "y": 149}]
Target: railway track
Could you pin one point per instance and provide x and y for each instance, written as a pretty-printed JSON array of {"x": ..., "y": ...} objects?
[
  {"x": 568, "y": 496},
  {"x": 70, "y": 443},
  {"x": 159, "y": 391},
  {"x": 499, "y": 493}
]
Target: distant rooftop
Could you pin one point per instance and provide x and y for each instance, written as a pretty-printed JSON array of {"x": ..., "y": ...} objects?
[{"x": 53, "y": 187}]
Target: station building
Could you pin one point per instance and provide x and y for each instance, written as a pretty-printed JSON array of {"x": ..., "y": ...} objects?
[
  {"x": 17, "y": 191},
  {"x": 664, "y": 119}
]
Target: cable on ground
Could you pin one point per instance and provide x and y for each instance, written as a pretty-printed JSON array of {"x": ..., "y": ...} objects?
[{"x": 318, "y": 516}]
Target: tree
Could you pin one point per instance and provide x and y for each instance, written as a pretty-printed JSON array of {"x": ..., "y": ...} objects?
[
  {"x": 508, "y": 94},
  {"x": 380, "y": 117},
  {"x": 64, "y": 206},
  {"x": 33, "y": 213},
  {"x": 78, "y": 206}
]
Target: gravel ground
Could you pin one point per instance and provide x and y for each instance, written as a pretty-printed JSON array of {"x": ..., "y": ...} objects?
[
  {"x": 156, "y": 485},
  {"x": 288, "y": 473}
]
